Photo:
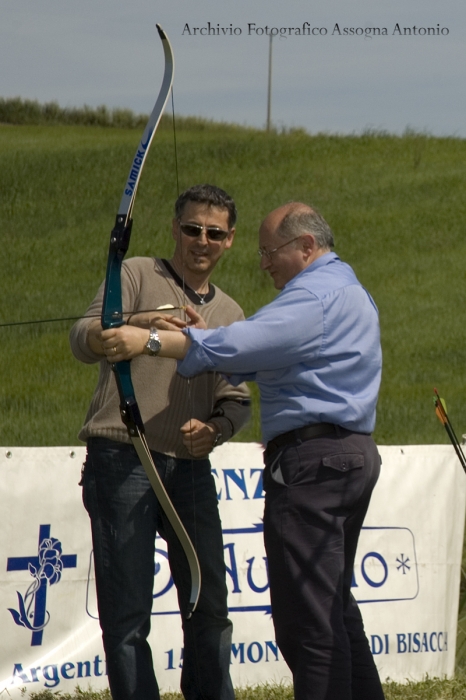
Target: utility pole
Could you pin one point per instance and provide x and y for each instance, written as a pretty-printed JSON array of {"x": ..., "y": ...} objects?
[{"x": 269, "y": 91}]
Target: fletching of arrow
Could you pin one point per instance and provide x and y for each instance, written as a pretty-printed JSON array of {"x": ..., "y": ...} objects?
[{"x": 442, "y": 414}]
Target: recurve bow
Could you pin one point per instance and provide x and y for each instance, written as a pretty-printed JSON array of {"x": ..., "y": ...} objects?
[{"x": 112, "y": 316}]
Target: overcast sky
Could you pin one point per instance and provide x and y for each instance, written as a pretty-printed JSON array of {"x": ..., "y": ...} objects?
[{"x": 94, "y": 52}]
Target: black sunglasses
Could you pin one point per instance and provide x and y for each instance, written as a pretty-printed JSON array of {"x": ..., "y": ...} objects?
[{"x": 212, "y": 232}]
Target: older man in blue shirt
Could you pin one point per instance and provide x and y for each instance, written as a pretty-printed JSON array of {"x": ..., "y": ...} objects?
[{"x": 315, "y": 354}]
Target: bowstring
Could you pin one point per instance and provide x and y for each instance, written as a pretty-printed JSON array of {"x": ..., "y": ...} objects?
[
  {"x": 175, "y": 150},
  {"x": 189, "y": 392},
  {"x": 133, "y": 312}
]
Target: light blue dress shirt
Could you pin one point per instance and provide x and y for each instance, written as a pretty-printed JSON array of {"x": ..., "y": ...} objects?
[{"x": 314, "y": 352}]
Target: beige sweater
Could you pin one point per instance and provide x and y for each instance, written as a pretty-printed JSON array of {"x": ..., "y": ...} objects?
[{"x": 165, "y": 399}]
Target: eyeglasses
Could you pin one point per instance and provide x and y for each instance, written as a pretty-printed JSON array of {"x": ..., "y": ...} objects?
[
  {"x": 213, "y": 233},
  {"x": 268, "y": 253}
]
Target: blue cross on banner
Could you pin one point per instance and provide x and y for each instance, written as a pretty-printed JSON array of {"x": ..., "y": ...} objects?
[{"x": 45, "y": 568}]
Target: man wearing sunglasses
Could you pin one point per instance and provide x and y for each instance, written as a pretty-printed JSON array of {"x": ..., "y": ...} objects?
[
  {"x": 184, "y": 421},
  {"x": 315, "y": 355}
]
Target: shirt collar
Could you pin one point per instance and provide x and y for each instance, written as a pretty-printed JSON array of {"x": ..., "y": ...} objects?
[{"x": 322, "y": 260}]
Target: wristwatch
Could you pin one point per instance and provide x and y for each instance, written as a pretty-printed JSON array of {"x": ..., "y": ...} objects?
[
  {"x": 219, "y": 436},
  {"x": 153, "y": 345}
]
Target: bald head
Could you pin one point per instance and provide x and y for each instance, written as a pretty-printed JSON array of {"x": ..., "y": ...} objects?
[
  {"x": 291, "y": 238},
  {"x": 296, "y": 219}
]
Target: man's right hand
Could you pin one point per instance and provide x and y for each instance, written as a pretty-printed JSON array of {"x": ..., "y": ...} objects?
[
  {"x": 166, "y": 322},
  {"x": 200, "y": 438},
  {"x": 151, "y": 319},
  {"x": 195, "y": 319}
]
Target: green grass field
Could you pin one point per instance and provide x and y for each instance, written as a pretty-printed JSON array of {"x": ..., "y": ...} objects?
[
  {"x": 396, "y": 205},
  {"x": 430, "y": 689}
]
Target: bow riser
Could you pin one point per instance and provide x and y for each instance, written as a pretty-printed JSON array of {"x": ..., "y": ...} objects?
[{"x": 112, "y": 313}]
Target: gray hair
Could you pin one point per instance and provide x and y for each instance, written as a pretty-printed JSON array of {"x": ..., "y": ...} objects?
[{"x": 300, "y": 221}]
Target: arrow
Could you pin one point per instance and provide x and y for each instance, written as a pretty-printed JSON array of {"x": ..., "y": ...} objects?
[{"x": 442, "y": 415}]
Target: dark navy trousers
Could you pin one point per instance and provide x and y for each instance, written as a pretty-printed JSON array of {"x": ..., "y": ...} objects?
[
  {"x": 125, "y": 518},
  {"x": 317, "y": 494}
]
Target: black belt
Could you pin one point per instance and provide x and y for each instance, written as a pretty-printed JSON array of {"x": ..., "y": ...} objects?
[{"x": 309, "y": 432}]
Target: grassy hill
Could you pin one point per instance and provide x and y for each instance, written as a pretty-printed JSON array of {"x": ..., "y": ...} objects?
[{"x": 396, "y": 205}]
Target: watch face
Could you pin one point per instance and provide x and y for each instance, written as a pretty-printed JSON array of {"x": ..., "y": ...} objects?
[{"x": 153, "y": 344}]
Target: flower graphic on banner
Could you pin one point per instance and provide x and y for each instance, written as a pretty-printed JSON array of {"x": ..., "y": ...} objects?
[
  {"x": 50, "y": 561},
  {"x": 49, "y": 571},
  {"x": 46, "y": 568}
]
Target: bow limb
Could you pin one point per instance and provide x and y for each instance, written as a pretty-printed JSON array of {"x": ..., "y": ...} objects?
[{"x": 112, "y": 316}]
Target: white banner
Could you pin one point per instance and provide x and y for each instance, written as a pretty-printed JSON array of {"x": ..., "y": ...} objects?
[{"x": 406, "y": 576}]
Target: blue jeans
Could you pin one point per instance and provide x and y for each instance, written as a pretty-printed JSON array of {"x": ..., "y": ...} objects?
[{"x": 125, "y": 518}]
